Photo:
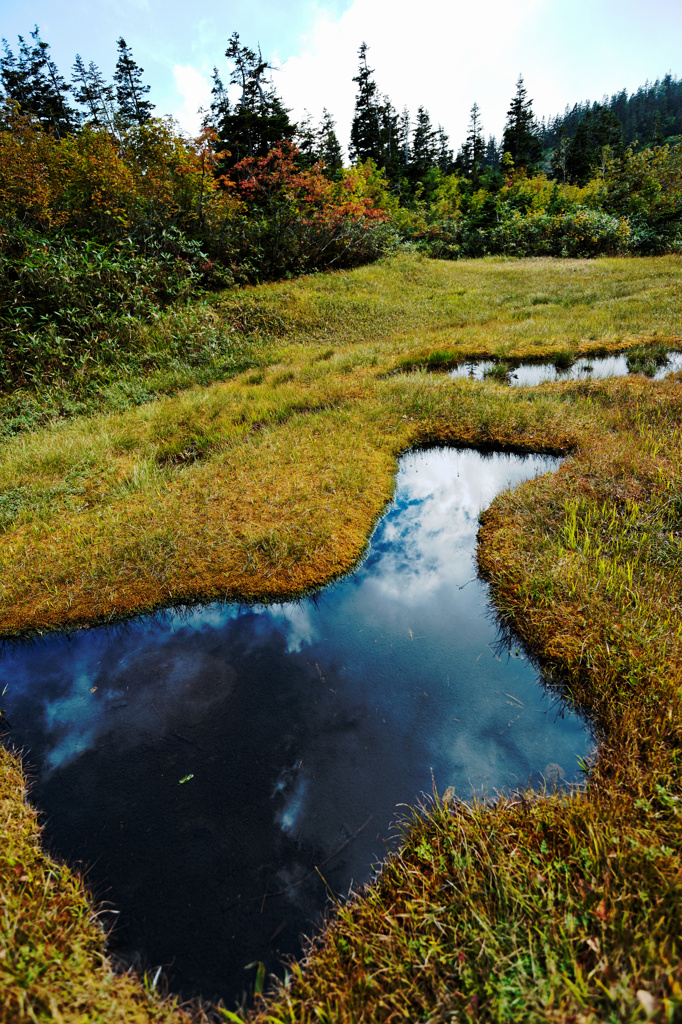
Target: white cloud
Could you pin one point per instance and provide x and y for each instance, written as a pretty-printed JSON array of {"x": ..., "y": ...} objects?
[
  {"x": 446, "y": 55},
  {"x": 440, "y": 55},
  {"x": 194, "y": 90}
]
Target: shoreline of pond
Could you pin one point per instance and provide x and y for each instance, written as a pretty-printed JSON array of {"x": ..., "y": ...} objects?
[{"x": 416, "y": 543}]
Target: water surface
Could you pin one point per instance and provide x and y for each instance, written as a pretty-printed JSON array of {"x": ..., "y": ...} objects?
[
  {"x": 531, "y": 374},
  {"x": 219, "y": 769}
]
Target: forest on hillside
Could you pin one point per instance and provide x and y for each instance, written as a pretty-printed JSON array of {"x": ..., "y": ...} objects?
[{"x": 109, "y": 213}]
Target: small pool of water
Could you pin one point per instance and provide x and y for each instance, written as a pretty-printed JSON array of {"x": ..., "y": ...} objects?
[
  {"x": 530, "y": 374},
  {"x": 215, "y": 769}
]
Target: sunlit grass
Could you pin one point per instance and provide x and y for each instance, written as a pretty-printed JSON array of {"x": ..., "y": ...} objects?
[
  {"x": 403, "y": 312},
  {"x": 214, "y": 483}
]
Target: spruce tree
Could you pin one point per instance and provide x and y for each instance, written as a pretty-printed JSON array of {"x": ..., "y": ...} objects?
[
  {"x": 475, "y": 144},
  {"x": 307, "y": 142},
  {"x": 365, "y": 132},
  {"x": 444, "y": 156},
  {"x": 33, "y": 80},
  {"x": 404, "y": 130},
  {"x": 329, "y": 147},
  {"x": 390, "y": 149},
  {"x": 521, "y": 134},
  {"x": 131, "y": 106},
  {"x": 424, "y": 149},
  {"x": 492, "y": 154},
  {"x": 15, "y": 74},
  {"x": 259, "y": 120},
  {"x": 94, "y": 93}
]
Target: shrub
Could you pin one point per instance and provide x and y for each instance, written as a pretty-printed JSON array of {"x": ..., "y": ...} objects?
[{"x": 64, "y": 299}]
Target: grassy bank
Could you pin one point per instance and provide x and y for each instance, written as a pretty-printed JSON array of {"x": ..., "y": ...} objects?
[{"x": 265, "y": 481}]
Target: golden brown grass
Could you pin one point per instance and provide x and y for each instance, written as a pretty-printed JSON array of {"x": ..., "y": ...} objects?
[{"x": 201, "y": 494}]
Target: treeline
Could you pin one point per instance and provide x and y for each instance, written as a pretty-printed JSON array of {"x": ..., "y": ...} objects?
[
  {"x": 31, "y": 79},
  {"x": 651, "y": 116},
  {"x": 108, "y": 213},
  {"x": 568, "y": 147}
]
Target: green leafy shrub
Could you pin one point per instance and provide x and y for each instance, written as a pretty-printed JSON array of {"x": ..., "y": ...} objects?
[{"x": 64, "y": 300}]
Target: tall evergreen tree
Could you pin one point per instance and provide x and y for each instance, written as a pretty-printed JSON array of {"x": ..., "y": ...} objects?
[
  {"x": 259, "y": 120},
  {"x": 131, "y": 106},
  {"x": 33, "y": 80},
  {"x": 424, "y": 149},
  {"x": 521, "y": 134},
  {"x": 390, "y": 150},
  {"x": 474, "y": 147},
  {"x": 329, "y": 147},
  {"x": 377, "y": 131},
  {"x": 94, "y": 93},
  {"x": 15, "y": 74},
  {"x": 492, "y": 154},
  {"x": 404, "y": 129},
  {"x": 365, "y": 132},
  {"x": 444, "y": 156},
  {"x": 307, "y": 141}
]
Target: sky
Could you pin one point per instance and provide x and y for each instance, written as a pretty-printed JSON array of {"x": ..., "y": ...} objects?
[{"x": 442, "y": 54}]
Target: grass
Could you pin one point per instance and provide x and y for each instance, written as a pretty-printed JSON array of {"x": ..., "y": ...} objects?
[
  {"x": 403, "y": 313},
  {"x": 266, "y": 483},
  {"x": 646, "y": 359}
]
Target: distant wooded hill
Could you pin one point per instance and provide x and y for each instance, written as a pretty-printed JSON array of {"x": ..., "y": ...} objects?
[{"x": 650, "y": 116}]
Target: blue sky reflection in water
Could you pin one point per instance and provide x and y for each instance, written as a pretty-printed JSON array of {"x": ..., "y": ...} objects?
[{"x": 204, "y": 761}]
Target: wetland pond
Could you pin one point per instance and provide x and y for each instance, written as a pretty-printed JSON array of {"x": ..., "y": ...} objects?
[
  {"x": 586, "y": 368},
  {"x": 217, "y": 770}
]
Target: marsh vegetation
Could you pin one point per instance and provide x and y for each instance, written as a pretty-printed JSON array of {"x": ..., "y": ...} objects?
[{"x": 189, "y": 479}]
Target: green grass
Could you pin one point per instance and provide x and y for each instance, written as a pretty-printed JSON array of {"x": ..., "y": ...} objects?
[
  {"x": 266, "y": 483},
  {"x": 404, "y": 312}
]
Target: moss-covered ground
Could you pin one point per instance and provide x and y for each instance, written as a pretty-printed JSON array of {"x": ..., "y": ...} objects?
[{"x": 193, "y": 479}]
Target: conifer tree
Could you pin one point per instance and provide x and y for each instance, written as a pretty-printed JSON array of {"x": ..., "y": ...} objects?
[
  {"x": 319, "y": 145},
  {"x": 259, "y": 120},
  {"x": 521, "y": 134},
  {"x": 96, "y": 95},
  {"x": 390, "y": 155},
  {"x": 492, "y": 154},
  {"x": 424, "y": 148},
  {"x": 33, "y": 80},
  {"x": 404, "y": 129},
  {"x": 377, "y": 131},
  {"x": 598, "y": 135},
  {"x": 329, "y": 145},
  {"x": 365, "y": 132},
  {"x": 220, "y": 104},
  {"x": 444, "y": 157},
  {"x": 307, "y": 142},
  {"x": 15, "y": 74},
  {"x": 475, "y": 143},
  {"x": 131, "y": 106}
]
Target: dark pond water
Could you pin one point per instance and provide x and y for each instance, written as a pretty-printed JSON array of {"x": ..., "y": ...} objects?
[
  {"x": 529, "y": 374},
  {"x": 218, "y": 769}
]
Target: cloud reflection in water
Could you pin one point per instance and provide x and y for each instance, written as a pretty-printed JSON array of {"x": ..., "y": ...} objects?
[{"x": 297, "y": 730}]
